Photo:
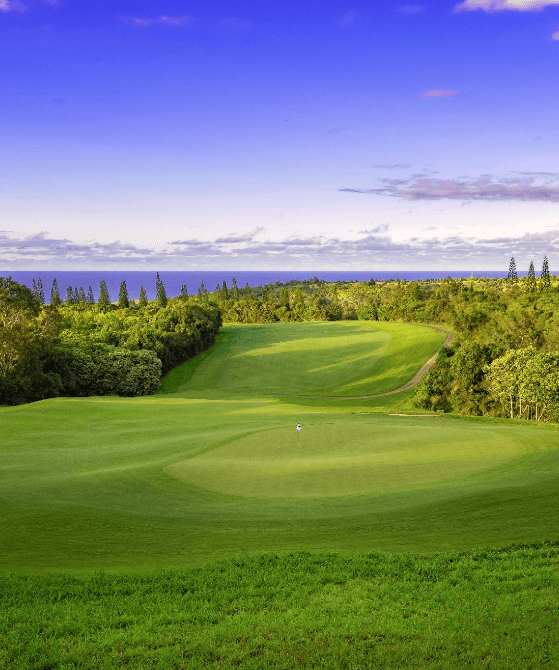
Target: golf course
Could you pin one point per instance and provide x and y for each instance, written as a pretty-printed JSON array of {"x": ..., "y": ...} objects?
[
  {"x": 213, "y": 467},
  {"x": 210, "y": 471}
]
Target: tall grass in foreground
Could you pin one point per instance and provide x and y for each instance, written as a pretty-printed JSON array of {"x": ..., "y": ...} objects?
[{"x": 485, "y": 608}]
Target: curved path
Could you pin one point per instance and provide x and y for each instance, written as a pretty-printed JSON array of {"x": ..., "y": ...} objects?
[{"x": 414, "y": 381}]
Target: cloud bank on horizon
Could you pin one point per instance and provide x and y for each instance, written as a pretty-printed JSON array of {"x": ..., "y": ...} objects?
[{"x": 376, "y": 248}]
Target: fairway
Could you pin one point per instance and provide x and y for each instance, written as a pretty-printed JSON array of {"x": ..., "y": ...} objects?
[
  {"x": 344, "y": 457},
  {"x": 338, "y": 358},
  {"x": 215, "y": 469}
]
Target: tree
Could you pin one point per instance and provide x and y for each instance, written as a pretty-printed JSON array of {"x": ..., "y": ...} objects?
[
  {"x": 234, "y": 289},
  {"x": 224, "y": 291},
  {"x": 284, "y": 297},
  {"x": 76, "y": 296},
  {"x": 184, "y": 291},
  {"x": 123, "y": 301},
  {"x": 545, "y": 279},
  {"x": 268, "y": 293},
  {"x": 25, "y": 332},
  {"x": 203, "y": 291},
  {"x": 55, "y": 294},
  {"x": 512, "y": 276},
  {"x": 81, "y": 296},
  {"x": 104, "y": 299},
  {"x": 90, "y": 297},
  {"x": 502, "y": 380},
  {"x": 531, "y": 283},
  {"x": 160, "y": 292},
  {"x": 247, "y": 293},
  {"x": 143, "y": 301},
  {"x": 69, "y": 295},
  {"x": 40, "y": 291}
]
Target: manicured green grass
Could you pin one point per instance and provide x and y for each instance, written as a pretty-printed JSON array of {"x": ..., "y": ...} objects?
[
  {"x": 85, "y": 486},
  {"x": 216, "y": 470},
  {"x": 184, "y": 478},
  {"x": 341, "y": 358},
  {"x": 482, "y": 609},
  {"x": 347, "y": 456}
]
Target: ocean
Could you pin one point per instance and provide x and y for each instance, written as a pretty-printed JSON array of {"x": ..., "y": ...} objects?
[{"x": 173, "y": 280}]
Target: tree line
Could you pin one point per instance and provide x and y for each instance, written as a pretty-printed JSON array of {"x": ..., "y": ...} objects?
[
  {"x": 82, "y": 347},
  {"x": 491, "y": 318}
]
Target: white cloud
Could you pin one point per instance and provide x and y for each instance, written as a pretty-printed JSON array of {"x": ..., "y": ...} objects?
[
  {"x": 12, "y": 6},
  {"x": 411, "y": 9},
  {"x": 164, "y": 20},
  {"x": 504, "y": 5},
  {"x": 236, "y": 238},
  {"x": 555, "y": 35},
  {"x": 372, "y": 247},
  {"x": 439, "y": 93},
  {"x": 528, "y": 186}
]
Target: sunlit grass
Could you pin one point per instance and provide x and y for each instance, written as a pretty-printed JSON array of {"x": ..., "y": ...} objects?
[
  {"x": 130, "y": 485},
  {"x": 342, "y": 358},
  {"x": 345, "y": 457},
  {"x": 495, "y": 609}
]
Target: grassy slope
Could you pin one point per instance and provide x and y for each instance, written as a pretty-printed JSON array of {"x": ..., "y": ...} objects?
[
  {"x": 494, "y": 609},
  {"x": 85, "y": 485},
  {"x": 342, "y": 358}
]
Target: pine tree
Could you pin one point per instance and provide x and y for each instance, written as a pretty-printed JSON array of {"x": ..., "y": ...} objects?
[
  {"x": 34, "y": 288},
  {"x": 143, "y": 301},
  {"x": 234, "y": 289},
  {"x": 69, "y": 295},
  {"x": 81, "y": 296},
  {"x": 90, "y": 296},
  {"x": 123, "y": 301},
  {"x": 545, "y": 279},
  {"x": 531, "y": 283},
  {"x": 41, "y": 291},
  {"x": 203, "y": 291},
  {"x": 247, "y": 293},
  {"x": 512, "y": 276},
  {"x": 104, "y": 299},
  {"x": 55, "y": 300},
  {"x": 224, "y": 291},
  {"x": 76, "y": 296},
  {"x": 160, "y": 291},
  {"x": 184, "y": 291}
]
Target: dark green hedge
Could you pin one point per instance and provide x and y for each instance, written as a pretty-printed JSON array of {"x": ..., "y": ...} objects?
[{"x": 101, "y": 369}]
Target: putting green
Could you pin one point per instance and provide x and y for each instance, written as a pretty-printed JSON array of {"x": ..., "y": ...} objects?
[{"x": 345, "y": 458}]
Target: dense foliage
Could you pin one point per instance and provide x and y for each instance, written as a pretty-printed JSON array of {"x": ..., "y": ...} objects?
[
  {"x": 81, "y": 348},
  {"x": 101, "y": 369},
  {"x": 491, "y": 317},
  {"x": 175, "y": 332}
]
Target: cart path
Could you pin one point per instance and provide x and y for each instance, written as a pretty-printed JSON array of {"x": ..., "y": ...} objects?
[{"x": 414, "y": 381}]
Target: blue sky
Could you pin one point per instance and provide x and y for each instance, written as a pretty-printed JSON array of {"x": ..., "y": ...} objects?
[{"x": 307, "y": 135}]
